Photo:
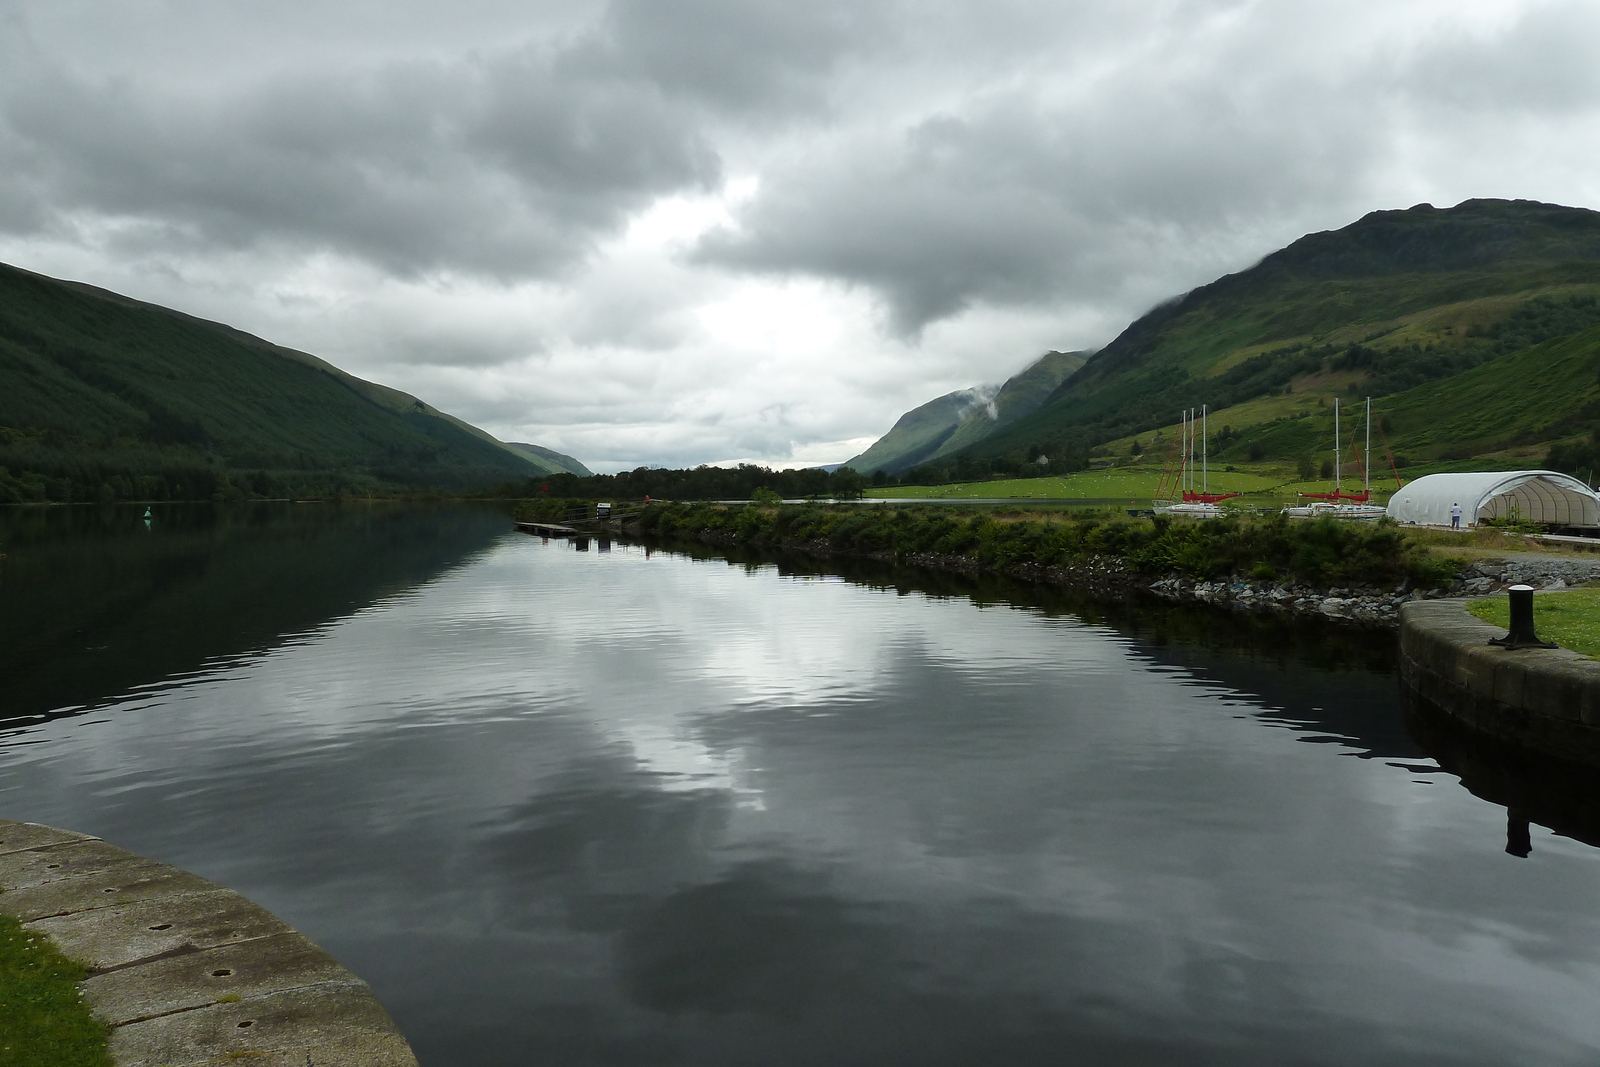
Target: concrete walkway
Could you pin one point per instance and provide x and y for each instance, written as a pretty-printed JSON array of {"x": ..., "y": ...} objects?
[{"x": 185, "y": 971}]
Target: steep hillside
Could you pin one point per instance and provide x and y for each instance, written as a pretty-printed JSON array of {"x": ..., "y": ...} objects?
[
  {"x": 1537, "y": 393},
  {"x": 957, "y": 420},
  {"x": 549, "y": 460},
  {"x": 1396, "y": 303},
  {"x": 104, "y": 397},
  {"x": 918, "y": 433}
]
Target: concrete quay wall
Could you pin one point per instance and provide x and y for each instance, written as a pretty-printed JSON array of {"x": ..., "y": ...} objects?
[
  {"x": 1547, "y": 700},
  {"x": 184, "y": 971}
]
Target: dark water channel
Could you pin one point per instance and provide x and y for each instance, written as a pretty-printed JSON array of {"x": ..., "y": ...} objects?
[{"x": 619, "y": 807}]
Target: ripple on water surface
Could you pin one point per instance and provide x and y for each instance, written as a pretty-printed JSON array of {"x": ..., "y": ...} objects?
[{"x": 641, "y": 808}]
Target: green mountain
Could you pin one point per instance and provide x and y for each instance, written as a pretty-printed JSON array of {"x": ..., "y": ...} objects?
[
  {"x": 918, "y": 433},
  {"x": 549, "y": 459},
  {"x": 952, "y": 422},
  {"x": 105, "y": 397},
  {"x": 1471, "y": 325}
]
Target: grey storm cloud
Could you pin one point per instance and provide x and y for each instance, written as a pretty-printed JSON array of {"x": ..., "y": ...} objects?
[
  {"x": 515, "y": 158},
  {"x": 509, "y": 161},
  {"x": 502, "y": 166},
  {"x": 1015, "y": 196},
  {"x": 443, "y": 195}
]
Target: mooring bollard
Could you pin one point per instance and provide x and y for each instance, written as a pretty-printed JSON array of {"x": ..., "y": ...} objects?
[{"x": 1521, "y": 635}]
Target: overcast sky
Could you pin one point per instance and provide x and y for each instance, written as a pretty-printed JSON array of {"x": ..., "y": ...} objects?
[{"x": 685, "y": 231}]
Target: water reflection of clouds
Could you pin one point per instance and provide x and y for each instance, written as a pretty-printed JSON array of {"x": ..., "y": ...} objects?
[{"x": 738, "y": 815}]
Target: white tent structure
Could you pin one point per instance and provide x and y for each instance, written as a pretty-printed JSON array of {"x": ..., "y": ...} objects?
[{"x": 1538, "y": 496}]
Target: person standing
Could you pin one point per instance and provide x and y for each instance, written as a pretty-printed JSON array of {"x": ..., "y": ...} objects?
[{"x": 1455, "y": 516}]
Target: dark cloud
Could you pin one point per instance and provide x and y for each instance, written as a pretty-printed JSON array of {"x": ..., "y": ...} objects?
[
  {"x": 470, "y": 174},
  {"x": 507, "y": 166},
  {"x": 512, "y": 162},
  {"x": 1016, "y": 199},
  {"x": 742, "y": 55},
  {"x": 1044, "y": 161}
]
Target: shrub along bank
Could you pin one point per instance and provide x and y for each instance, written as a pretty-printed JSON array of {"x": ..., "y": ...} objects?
[{"x": 1319, "y": 553}]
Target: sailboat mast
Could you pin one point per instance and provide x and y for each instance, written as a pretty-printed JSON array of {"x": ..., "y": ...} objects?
[
  {"x": 1366, "y": 462},
  {"x": 1188, "y": 448},
  {"x": 1336, "y": 457},
  {"x": 1183, "y": 454},
  {"x": 1205, "y": 456},
  {"x": 1183, "y": 445}
]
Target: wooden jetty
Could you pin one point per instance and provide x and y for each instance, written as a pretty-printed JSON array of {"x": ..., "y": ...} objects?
[{"x": 582, "y": 522}]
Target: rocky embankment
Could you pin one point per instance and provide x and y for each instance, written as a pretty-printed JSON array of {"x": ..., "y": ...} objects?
[
  {"x": 1373, "y": 606},
  {"x": 1528, "y": 568}
]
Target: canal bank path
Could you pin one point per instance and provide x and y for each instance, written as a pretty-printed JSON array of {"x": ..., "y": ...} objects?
[{"x": 184, "y": 971}]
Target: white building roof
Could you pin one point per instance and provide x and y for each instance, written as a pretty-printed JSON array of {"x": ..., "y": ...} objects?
[{"x": 1539, "y": 496}]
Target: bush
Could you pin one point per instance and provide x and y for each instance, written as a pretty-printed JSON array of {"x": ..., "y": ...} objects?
[{"x": 1321, "y": 552}]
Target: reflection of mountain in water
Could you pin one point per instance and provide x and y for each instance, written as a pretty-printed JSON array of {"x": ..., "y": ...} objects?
[{"x": 96, "y": 604}]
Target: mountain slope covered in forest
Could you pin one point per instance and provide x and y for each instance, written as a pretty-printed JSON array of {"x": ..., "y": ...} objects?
[{"x": 105, "y": 397}]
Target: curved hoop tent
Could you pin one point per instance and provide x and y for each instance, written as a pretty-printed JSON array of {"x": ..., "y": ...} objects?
[{"x": 1538, "y": 496}]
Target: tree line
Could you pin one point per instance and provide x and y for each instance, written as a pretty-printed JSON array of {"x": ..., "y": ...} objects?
[{"x": 705, "y": 482}]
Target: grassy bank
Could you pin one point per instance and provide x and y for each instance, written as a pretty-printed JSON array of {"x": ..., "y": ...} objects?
[
  {"x": 1136, "y": 484},
  {"x": 43, "y": 1020},
  {"x": 1260, "y": 485},
  {"x": 1571, "y": 619},
  {"x": 1321, "y": 553}
]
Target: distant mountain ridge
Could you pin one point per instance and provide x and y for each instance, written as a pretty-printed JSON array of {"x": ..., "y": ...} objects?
[
  {"x": 1398, "y": 305},
  {"x": 103, "y": 397},
  {"x": 550, "y": 458},
  {"x": 950, "y": 423},
  {"x": 920, "y": 432}
]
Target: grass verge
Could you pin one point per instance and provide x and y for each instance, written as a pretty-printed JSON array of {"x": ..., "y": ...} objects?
[
  {"x": 1571, "y": 619},
  {"x": 43, "y": 1019}
]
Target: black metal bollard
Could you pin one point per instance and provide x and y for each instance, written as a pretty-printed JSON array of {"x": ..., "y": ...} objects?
[
  {"x": 1519, "y": 836},
  {"x": 1521, "y": 635}
]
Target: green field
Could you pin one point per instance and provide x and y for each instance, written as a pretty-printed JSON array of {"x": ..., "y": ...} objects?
[
  {"x": 1571, "y": 619},
  {"x": 1263, "y": 485}
]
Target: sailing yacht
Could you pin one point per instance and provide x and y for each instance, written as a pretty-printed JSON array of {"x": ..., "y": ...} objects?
[
  {"x": 1192, "y": 503},
  {"x": 1339, "y": 504}
]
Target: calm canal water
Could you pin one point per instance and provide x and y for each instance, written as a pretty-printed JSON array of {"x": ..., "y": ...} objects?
[{"x": 641, "y": 808}]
